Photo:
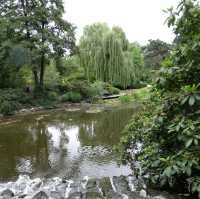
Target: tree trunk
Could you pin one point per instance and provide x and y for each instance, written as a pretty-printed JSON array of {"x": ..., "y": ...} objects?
[
  {"x": 42, "y": 63},
  {"x": 42, "y": 68},
  {"x": 36, "y": 79}
]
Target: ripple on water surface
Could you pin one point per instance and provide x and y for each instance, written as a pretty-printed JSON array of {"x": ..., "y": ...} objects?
[
  {"x": 68, "y": 154},
  {"x": 63, "y": 143}
]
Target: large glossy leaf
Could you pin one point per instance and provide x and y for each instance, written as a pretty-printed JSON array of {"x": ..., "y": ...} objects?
[
  {"x": 191, "y": 100},
  {"x": 188, "y": 143},
  {"x": 185, "y": 99},
  {"x": 168, "y": 172},
  {"x": 197, "y": 96}
]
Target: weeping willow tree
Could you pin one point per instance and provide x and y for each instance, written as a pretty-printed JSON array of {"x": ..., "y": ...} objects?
[
  {"x": 138, "y": 70},
  {"x": 110, "y": 60},
  {"x": 90, "y": 46},
  {"x": 105, "y": 56},
  {"x": 120, "y": 34}
]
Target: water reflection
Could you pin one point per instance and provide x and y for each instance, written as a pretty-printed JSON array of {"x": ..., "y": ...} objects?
[{"x": 70, "y": 144}]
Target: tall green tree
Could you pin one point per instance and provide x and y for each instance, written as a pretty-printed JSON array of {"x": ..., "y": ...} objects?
[
  {"x": 169, "y": 126},
  {"x": 12, "y": 55},
  {"x": 155, "y": 52},
  {"x": 120, "y": 34},
  {"x": 105, "y": 55},
  {"x": 39, "y": 26},
  {"x": 139, "y": 72},
  {"x": 89, "y": 47}
]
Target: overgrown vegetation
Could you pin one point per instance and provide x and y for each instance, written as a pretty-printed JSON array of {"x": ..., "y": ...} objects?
[
  {"x": 169, "y": 125},
  {"x": 107, "y": 56},
  {"x": 32, "y": 33},
  {"x": 40, "y": 63}
]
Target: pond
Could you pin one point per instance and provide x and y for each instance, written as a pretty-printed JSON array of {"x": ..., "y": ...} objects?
[{"x": 73, "y": 144}]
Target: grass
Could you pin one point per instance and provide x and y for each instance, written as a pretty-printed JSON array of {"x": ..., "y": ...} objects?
[
  {"x": 13, "y": 100},
  {"x": 141, "y": 94},
  {"x": 135, "y": 95},
  {"x": 125, "y": 99}
]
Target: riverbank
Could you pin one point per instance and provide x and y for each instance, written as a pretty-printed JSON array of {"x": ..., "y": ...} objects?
[
  {"x": 132, "y": 95},
  {"x": 126, "y": 96},
  {"x": 14, "y": 100},
  {"x": 63, "y": 154},
  {"x": 70, "y": 143}
]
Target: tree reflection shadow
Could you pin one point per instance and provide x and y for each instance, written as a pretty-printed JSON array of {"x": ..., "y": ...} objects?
[{"x": 48, "y": 145}]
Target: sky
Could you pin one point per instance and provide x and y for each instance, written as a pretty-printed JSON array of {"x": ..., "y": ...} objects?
[{"x": 141, "y": 20}]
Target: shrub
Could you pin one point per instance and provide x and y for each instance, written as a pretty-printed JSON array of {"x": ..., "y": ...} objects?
[
  {"x": 101, "y": 88},
  {"x": 52, "y": 95},
  {"x": 125, "y": 99},
  {"x": 71, "y": 97},
  {"x": 169, "y": 128},
  {"x": 89, "y": 90},
  {"x": 111, "y": 90},
  {"x": 142, "y": 94},
  {"x": 8, "y": 108},
  {"x": 12, "y": 99}
]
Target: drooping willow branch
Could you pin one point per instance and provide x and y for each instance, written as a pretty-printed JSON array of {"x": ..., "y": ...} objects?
[{"x": 105, "y": 56}]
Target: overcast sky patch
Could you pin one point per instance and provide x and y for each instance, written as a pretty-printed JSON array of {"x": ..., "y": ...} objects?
[{"x": 140, "y": 19}]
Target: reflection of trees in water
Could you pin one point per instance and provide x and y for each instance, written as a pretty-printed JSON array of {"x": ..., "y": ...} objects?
[
  {"x": 57, "y": 140},
  {"x": 98, "y": 128},
  {"x": 105, "y": 128},
  {"x": 42, "y": 153},
  {"x": 21, "y": 142},
  {"x": 32, "y": 140}
]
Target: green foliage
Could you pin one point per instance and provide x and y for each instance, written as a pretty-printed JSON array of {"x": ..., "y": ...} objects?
[
  {"x": 89, "y": 47},
  {"x": 137, "y": 56},
  {"x": 38, "y": 33},
  {"x": 111, "y": 90},
  {"x": 99, "y": 89},
  {"x": 169, "y": 125},
  {"x": 52, "y": 95},
  {"x": 125, "y": 99},
  {"x": 52, "y": 77},
  {"x": 106, "y": 56},
  {"x": 12, "y": 61},
  {"x": 137, "y": 74},
  {"x": 71, "y": 97},
  {"x": 118, "y": 31},
  {"x": 141, "y": 94},
  {"x": 155, "y": 52},
  {"x": 167, "y": 62},
  {"x": 69, "y": 66},
  {"x": 11, "y": 100},
  {"x": 7, "y": 108}
]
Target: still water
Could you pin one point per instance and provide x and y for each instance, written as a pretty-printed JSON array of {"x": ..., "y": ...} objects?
[{"x": 71, "y": 143}]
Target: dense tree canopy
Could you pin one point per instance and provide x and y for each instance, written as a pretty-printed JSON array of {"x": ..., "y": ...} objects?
[
  {"x": 169, "y": 126},
  {"x": 39, "y": 28},
  {"x": 155, "y": 52},
  {"x": 106, "y": 56}
]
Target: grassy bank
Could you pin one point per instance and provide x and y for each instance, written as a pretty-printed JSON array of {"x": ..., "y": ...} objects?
[
  {"x": 13, "y": 101},
  {"x": 128, "y": 96}
]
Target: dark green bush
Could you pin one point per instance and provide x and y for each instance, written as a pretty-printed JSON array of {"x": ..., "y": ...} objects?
[
  {"x": 169, "y": 127},
  {"x": 111, "y": 90},
  {"x": 8, "y": 107},
  {"x": 125, "y": 99},
  {"x": 11, "y": 100},
  {"x": 71, "y": 97},
  {"x": 90, "y": 90},
  {"x": 52, "y": 95}
]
